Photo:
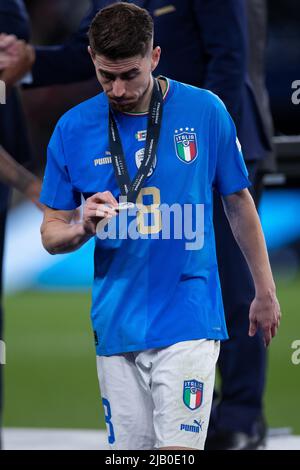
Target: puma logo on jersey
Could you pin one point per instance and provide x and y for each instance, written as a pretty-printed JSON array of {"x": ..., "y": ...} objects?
[
  {"x": 102, "y": 161},
  {"x": 199, "y": 423}
]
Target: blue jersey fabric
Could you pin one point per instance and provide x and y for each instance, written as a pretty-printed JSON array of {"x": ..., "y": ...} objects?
[{"x": 151, "y": 291}]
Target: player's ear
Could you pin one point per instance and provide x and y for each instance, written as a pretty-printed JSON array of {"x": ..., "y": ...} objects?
[{"x": 155, "y": 57}]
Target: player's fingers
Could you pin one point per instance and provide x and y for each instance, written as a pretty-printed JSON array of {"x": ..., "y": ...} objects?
[
  {"x": 105, "y": 197},
  {"x": 252, "y": 328},
  {"x": 101, "y": 224},
  {"x": 105, "y": 209},
  {"x": 267, "y": 336},
  {"x": 90, "y": 207},
  {"x": 274, "y": 330},
  {"x": 278, "y": 318},
  {"x": 94, "y": 209},
  {"x": 98, "y": 213},
  {"x": 102, "y": 214},
  {"x": 110, "y": 198}
]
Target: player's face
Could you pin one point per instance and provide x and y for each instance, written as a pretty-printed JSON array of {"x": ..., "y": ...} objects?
[{"x": 127, "y": 82}]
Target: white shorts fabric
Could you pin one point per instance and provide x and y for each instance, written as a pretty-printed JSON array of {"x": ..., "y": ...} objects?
[{"x": 159, "y": 397}]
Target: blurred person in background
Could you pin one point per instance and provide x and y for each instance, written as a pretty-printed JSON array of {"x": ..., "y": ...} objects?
[
  {"x": 219, "y": 45},
  {"x": 16, "y": 176},
  {"x": 14, "y": 143}
]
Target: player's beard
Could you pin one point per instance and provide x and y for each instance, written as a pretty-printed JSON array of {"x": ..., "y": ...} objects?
[
  {"x": 134, "y": 106},
  {"x": 123, "y": 107}
]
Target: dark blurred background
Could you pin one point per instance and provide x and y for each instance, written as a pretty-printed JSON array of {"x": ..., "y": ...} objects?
[
  {"x": 283, "y": 63},
  {"x": 53, "y": 21}
]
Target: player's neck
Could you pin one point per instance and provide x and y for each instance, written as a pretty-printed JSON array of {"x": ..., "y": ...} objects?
[{"x": 143, "y": 106}]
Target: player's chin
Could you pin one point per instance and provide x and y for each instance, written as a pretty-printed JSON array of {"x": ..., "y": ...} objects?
[{"x": 124, "y": 106}]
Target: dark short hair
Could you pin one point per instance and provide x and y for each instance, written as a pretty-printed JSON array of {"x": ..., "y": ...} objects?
[{"x": 120, "y": 31}]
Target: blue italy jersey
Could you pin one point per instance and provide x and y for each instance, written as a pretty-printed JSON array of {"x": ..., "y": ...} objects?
[{"x": 156, "y": 278}]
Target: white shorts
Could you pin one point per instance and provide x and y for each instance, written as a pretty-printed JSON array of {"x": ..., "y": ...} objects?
[{"x": 159, "y": 397}]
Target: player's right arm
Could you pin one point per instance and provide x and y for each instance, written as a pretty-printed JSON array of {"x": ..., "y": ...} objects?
[{"x": 59, "y": 235}]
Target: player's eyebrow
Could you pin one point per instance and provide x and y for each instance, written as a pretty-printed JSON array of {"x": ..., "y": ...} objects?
[{"x": 113, "y": 76}]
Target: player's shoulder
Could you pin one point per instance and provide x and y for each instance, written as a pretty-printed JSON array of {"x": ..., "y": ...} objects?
[{"x": 195, "y": 96}]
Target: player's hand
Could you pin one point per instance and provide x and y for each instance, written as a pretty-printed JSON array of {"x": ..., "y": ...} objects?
[
  {"x": 100, "y": 206},
  {"x": 265, "y": 315}
]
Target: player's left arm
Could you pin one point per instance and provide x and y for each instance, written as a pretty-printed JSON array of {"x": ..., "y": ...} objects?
[{"x": 246, "y": 227}]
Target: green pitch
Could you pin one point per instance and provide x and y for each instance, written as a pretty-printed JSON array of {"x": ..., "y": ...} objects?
[
  {"x": 50, "y": 371},
  {"x": 50, "y": 375}
]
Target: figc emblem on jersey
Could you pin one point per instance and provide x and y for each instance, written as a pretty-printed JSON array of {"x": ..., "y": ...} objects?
[
  {"x": 139, "y": 157},
  {"x": 192, "y": 394},
  {"x": 186, "y": 144}
]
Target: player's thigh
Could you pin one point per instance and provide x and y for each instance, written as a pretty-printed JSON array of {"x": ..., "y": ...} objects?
[
  {"x": 182, "y": 388},
  {"x": 128, "y": 408}
]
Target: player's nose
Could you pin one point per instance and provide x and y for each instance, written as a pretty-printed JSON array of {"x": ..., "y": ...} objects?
[{"x": 118, "y": 88}]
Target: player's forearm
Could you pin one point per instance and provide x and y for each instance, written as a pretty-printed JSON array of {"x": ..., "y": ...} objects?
[
  {"x": 247, "y": 230},
  {"x": 59, "y": 237}
]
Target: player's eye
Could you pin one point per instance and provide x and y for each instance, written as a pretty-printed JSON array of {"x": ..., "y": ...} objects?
[
  {"x": 107, "y": 76},
  {"x": 129, "y": 76}
]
